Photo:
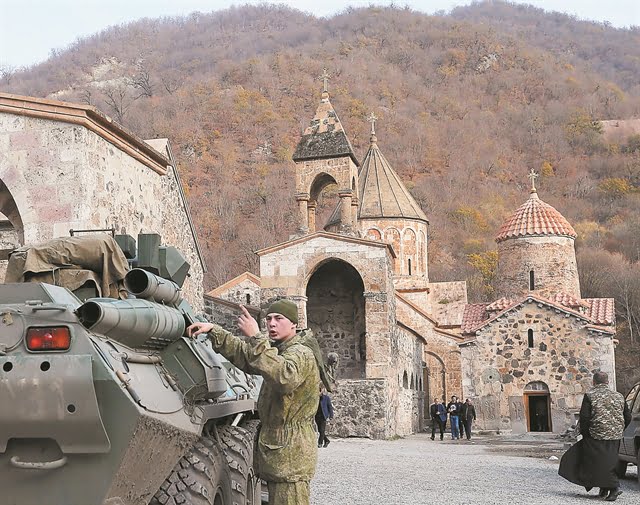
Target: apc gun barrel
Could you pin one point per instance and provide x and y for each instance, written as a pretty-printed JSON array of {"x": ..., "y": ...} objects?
[
  {"x": 135, "y": 322},
  {"x": 144, "y": 284}
]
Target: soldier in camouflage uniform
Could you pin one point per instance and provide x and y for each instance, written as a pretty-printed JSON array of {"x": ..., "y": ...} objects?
[
  {"x": 291, "y": 365},
  {"x": 592, "y": 462}
]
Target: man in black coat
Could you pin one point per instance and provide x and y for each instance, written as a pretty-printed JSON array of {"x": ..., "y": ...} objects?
[
  {"x": 592, "y": 461},
  {"x": 323, "y": 414},
  {"x": 438, "y": 418},
  {"x": 467, "y": 416}
]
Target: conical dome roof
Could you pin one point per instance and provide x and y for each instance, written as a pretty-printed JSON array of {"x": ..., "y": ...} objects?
[
  {"x": 324, "y": 137},
  {"x": 535, "y": 218},
  {"x": 382, "y": 194}
]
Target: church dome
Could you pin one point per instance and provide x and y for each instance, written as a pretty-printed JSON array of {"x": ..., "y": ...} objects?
[
  {"x": 535, "y": 218},
  {"x": 382, "y": 195}
]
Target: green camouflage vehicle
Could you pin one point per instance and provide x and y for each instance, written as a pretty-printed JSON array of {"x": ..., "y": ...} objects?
[{"x": 106, "y": 402}]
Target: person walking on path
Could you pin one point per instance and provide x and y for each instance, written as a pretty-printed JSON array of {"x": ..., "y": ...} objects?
[
  {"x": 323, "y": 414},
  {"x": 459, "y": 405},
  {"x": 290, "y": 362},
  {"x": 452, "y": 409},
  {"x": 467, "y": 416},
  {"x": 438, "y": 418},
  {"x": 592, "y": 461}
]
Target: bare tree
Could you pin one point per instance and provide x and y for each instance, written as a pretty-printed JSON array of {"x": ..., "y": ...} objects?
[{"x": 119, "y": 100}]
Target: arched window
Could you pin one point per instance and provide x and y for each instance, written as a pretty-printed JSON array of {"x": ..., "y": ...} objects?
[
  {"x": 248, "y": 298},
  {"x": 532, "y": 284},
  {"x": 405, "y": 380},
  {"x": 530, "y": 338}
]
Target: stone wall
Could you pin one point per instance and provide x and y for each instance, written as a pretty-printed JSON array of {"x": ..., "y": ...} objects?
[
  {"x": 225, "y": 313},
  {"x": 442, "y": 376},
  {"x": 499, "y": 365},
  {"x": 361, "y": 409},
  {"x": 409, "y": 386},
  {"x": 552, "y": 260},
  {"x": 64, "y": 176},
  {"x": 245, "y": 292},
  {"x": 408, "y": 237}
]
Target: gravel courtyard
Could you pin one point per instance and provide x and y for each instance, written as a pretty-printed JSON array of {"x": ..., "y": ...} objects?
[{"x": 415, "y": 470}]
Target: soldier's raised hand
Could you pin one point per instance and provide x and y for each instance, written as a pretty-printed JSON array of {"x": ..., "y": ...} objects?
[
  {"x": 247, "y": 324},
  {"x": 198, "y": 328}
]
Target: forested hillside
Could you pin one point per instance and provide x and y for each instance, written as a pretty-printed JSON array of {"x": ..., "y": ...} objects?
[{"x": 467, "y": 103}]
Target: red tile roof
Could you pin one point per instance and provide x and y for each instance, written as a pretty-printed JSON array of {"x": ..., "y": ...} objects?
[
  {"x": 601, "y": 310},
  {"x": 500, "y": 304},
  {"x": 535, "y": 218},
  {"x": 474, "y": 314},
  {"x": 598, "y": 311},
  {"x": 568, "y": 300}
]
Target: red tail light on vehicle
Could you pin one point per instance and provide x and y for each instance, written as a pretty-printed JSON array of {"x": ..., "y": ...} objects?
[{"x": 48, "y": 339}]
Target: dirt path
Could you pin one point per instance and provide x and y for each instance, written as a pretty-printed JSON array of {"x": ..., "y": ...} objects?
[{"x": 418, "y": 471}]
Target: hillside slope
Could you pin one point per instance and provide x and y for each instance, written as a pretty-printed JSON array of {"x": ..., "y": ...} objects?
[{"x": 467, "y": 105}]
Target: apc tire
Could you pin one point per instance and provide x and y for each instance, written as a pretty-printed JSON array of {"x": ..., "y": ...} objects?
[
  {"x": 201, "y": 477},
  {"x": 237, "y": 444}
]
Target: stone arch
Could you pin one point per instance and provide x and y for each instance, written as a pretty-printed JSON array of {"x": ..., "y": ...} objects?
[
  {"x": 435, "y": 377},
  {"x": 336, "y": 315},
  {"x": 11, "y": 219},
  {"x": 374, "y": 234},
  {"x": 320, "y": 181},
  {"x": 392, "y": 237},
  {"x": 409, "y": 251}
]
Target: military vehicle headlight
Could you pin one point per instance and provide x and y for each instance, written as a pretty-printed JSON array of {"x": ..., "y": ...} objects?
[{"x": 48, "y": 339}]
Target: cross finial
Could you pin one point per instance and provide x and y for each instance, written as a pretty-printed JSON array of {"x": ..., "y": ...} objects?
[
  {"x": 372, "y": 119},
  {"x": 325, "y": 78},
  {"x": 533, "y": 176}
]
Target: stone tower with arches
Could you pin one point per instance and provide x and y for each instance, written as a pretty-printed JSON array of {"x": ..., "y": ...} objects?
[{"x": 361, "y": 284}]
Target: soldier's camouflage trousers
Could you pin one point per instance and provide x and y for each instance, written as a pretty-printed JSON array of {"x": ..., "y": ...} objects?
[{"x": 288, "y": 493}]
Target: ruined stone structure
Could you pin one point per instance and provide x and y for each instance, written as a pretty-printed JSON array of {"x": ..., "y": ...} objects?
[
  {"x": 530, "y": 355},
  {"x": 68, "y": 167},
  {"x": 362, "y": 286}
]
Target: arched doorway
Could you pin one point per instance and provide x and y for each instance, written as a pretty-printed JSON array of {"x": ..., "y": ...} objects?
[
  {"x": 11, "y": 227},
  {"x": 537, "y": 404},
  {"x": 336, "y": 315},
  {"x": 435, "y": 378}
]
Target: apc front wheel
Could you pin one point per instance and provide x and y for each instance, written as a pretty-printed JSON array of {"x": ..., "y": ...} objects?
[{"x": 200, "y": 478}]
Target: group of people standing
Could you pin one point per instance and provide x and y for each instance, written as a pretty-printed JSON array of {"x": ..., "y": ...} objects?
[{"x": 461, "y": 416}]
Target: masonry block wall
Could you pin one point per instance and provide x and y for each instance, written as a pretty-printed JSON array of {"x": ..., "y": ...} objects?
[
  {"x": 64, "y": 176},
  {"x": 410, "y": 384},
  {"x": 500, "y": 365},
  {"x": 551, "y": 259}
]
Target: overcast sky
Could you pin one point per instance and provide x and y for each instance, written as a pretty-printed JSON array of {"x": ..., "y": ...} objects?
[{"x": 30, "y": 29}]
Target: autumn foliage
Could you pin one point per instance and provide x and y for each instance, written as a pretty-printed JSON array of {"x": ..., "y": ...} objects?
[{"x": 467, "y": 103}]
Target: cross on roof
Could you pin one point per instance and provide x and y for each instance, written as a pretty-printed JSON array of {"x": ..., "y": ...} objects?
[
  {"x": 325, "y": 77},
  {"x": 533, "y": 176},
  {"x": 372, "y": 119}
]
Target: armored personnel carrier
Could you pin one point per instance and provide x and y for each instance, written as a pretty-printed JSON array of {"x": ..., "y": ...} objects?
[{"x": 103, "y": 399}]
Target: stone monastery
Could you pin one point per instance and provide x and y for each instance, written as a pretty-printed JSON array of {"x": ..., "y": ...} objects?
[{"x": 362, "y": 285}]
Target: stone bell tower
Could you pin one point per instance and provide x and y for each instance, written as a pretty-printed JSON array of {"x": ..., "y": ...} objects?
[
  {"x": 536, "y": 251},
  {"x": 324, "y": 156}
]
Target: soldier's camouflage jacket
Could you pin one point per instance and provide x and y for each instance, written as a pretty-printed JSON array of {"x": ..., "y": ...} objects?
[
  {"x": 604, "y": 414},
  {"x": 286, "y": 450}
]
